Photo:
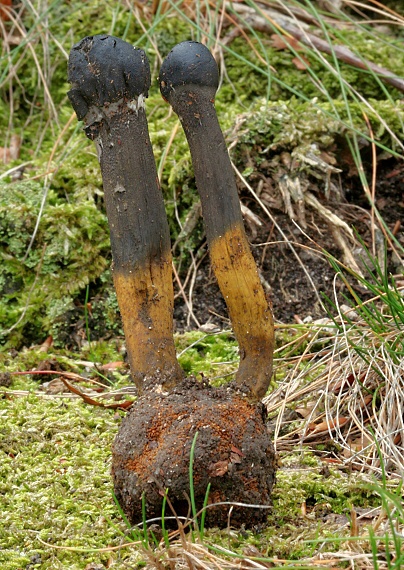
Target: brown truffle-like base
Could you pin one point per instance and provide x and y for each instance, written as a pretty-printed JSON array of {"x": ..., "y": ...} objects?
[{"x": 233, "y": 452}]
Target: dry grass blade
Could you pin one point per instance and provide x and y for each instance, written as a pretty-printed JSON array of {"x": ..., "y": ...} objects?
[
  {"x": 354, "y": 396},
  {"x": 39, "y": 43},
  {"x": 270, "y": 216}
]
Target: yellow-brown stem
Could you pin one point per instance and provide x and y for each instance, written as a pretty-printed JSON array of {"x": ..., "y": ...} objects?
[
  {"x": 230, "y": 253},
  {"x": 239, "y": 282},
  {"x": 110, "y": 80},
  {"x": 145, "y": 301}
]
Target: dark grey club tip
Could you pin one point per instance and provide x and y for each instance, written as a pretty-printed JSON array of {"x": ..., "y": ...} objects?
[
  {"x": 103, "y": 69},
  {"x": 188, "y": 63}
]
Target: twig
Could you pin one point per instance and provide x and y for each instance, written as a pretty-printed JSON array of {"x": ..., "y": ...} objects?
[
  {"x": 122, "y": 405},
  {"x": 268, "y": 23},
  {"x": 345, "y": 54},
  {"x": 72, "y": 376}
]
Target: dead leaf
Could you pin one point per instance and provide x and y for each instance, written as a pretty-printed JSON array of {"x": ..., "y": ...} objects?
[
  {"x": 301, "y": 63},
  {"x": 122, "y": 406},
  {"x": 357, "y": 444},
  {"x": 218, "y": 469},
  {"x": 112, "y": 365},
  {"x": 306, "y": 411},
  {"x": 354, "y": 523},
  {"x": 45, "y": 346},
  {"x": 55, "y": 386},
  {"x": 89, "y": 309},
  {"x": 328, "y": 158},
  {"x": 381, "y": 203},
  {"x": 236, "y": 450},
  {"x": 343, "y": 384},
  {"x": 251, "y": 551},
  {"x": 5, "y": 8},
  {"x": 235, "y": 458},
  {"x": 396, "y": 228},
  {"x": 328, "y": 424},
  {"x": 366, "y": 401},
  {"x": 209, "y": 328},
  {"x": 283, "y": 42},
  {"x": 332, "y": 460},
  {"x": 397, "y": 439}
]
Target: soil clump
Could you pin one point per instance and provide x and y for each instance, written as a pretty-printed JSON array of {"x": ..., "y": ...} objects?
[{"x": 233, "y": 452}]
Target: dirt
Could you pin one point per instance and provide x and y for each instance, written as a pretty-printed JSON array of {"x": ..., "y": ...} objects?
[
  {"x": 292, "y": 295},
  {"x": 233, "y": 452}
]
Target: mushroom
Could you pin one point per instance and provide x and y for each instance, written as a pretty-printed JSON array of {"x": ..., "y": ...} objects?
[
  {"x": 110, "y": 81},
  {"x": 189, "y": 79},
  {"x": 225, "y": 426}
]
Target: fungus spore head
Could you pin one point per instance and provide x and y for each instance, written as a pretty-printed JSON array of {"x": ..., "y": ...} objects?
[
  {"x": 188, "y": 63},
  {"x": 102, "y": 70}
]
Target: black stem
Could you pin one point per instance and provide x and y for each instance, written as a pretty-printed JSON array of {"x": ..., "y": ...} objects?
[{"x": 110, "y": 81}]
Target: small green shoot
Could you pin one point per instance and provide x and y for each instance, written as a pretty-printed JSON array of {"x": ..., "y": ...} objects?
[
  {"x": 191, "y": 482},
  {"x": 133, "y": 530},
  {"x": 204, "y": 511}
]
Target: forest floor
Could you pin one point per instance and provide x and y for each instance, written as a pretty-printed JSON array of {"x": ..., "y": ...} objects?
[{"x": 293, "y": 295}]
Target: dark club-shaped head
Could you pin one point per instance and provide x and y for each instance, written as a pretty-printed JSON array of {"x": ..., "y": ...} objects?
[
  {"x": 103, "y": 70},
  {"x": 188, "y": 63}
]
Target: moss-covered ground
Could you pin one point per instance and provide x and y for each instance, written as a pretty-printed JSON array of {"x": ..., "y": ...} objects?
[{"x": 56, "y": 495}]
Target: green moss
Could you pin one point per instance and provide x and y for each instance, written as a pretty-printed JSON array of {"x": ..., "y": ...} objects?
[
  {"x": 210, "y": 355},
  {"x": 55, "y": 483},
  {"x": 296, "y": 126},
  {"x": 70, "y": 249},
  {"x": 302, "y": 481}
]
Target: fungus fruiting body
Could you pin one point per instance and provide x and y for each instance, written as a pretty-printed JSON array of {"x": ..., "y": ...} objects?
[
  {"x": 151, "y": 452},
  {"x": 110, "y": 81},
  {"x": 188, "y": 81}
]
